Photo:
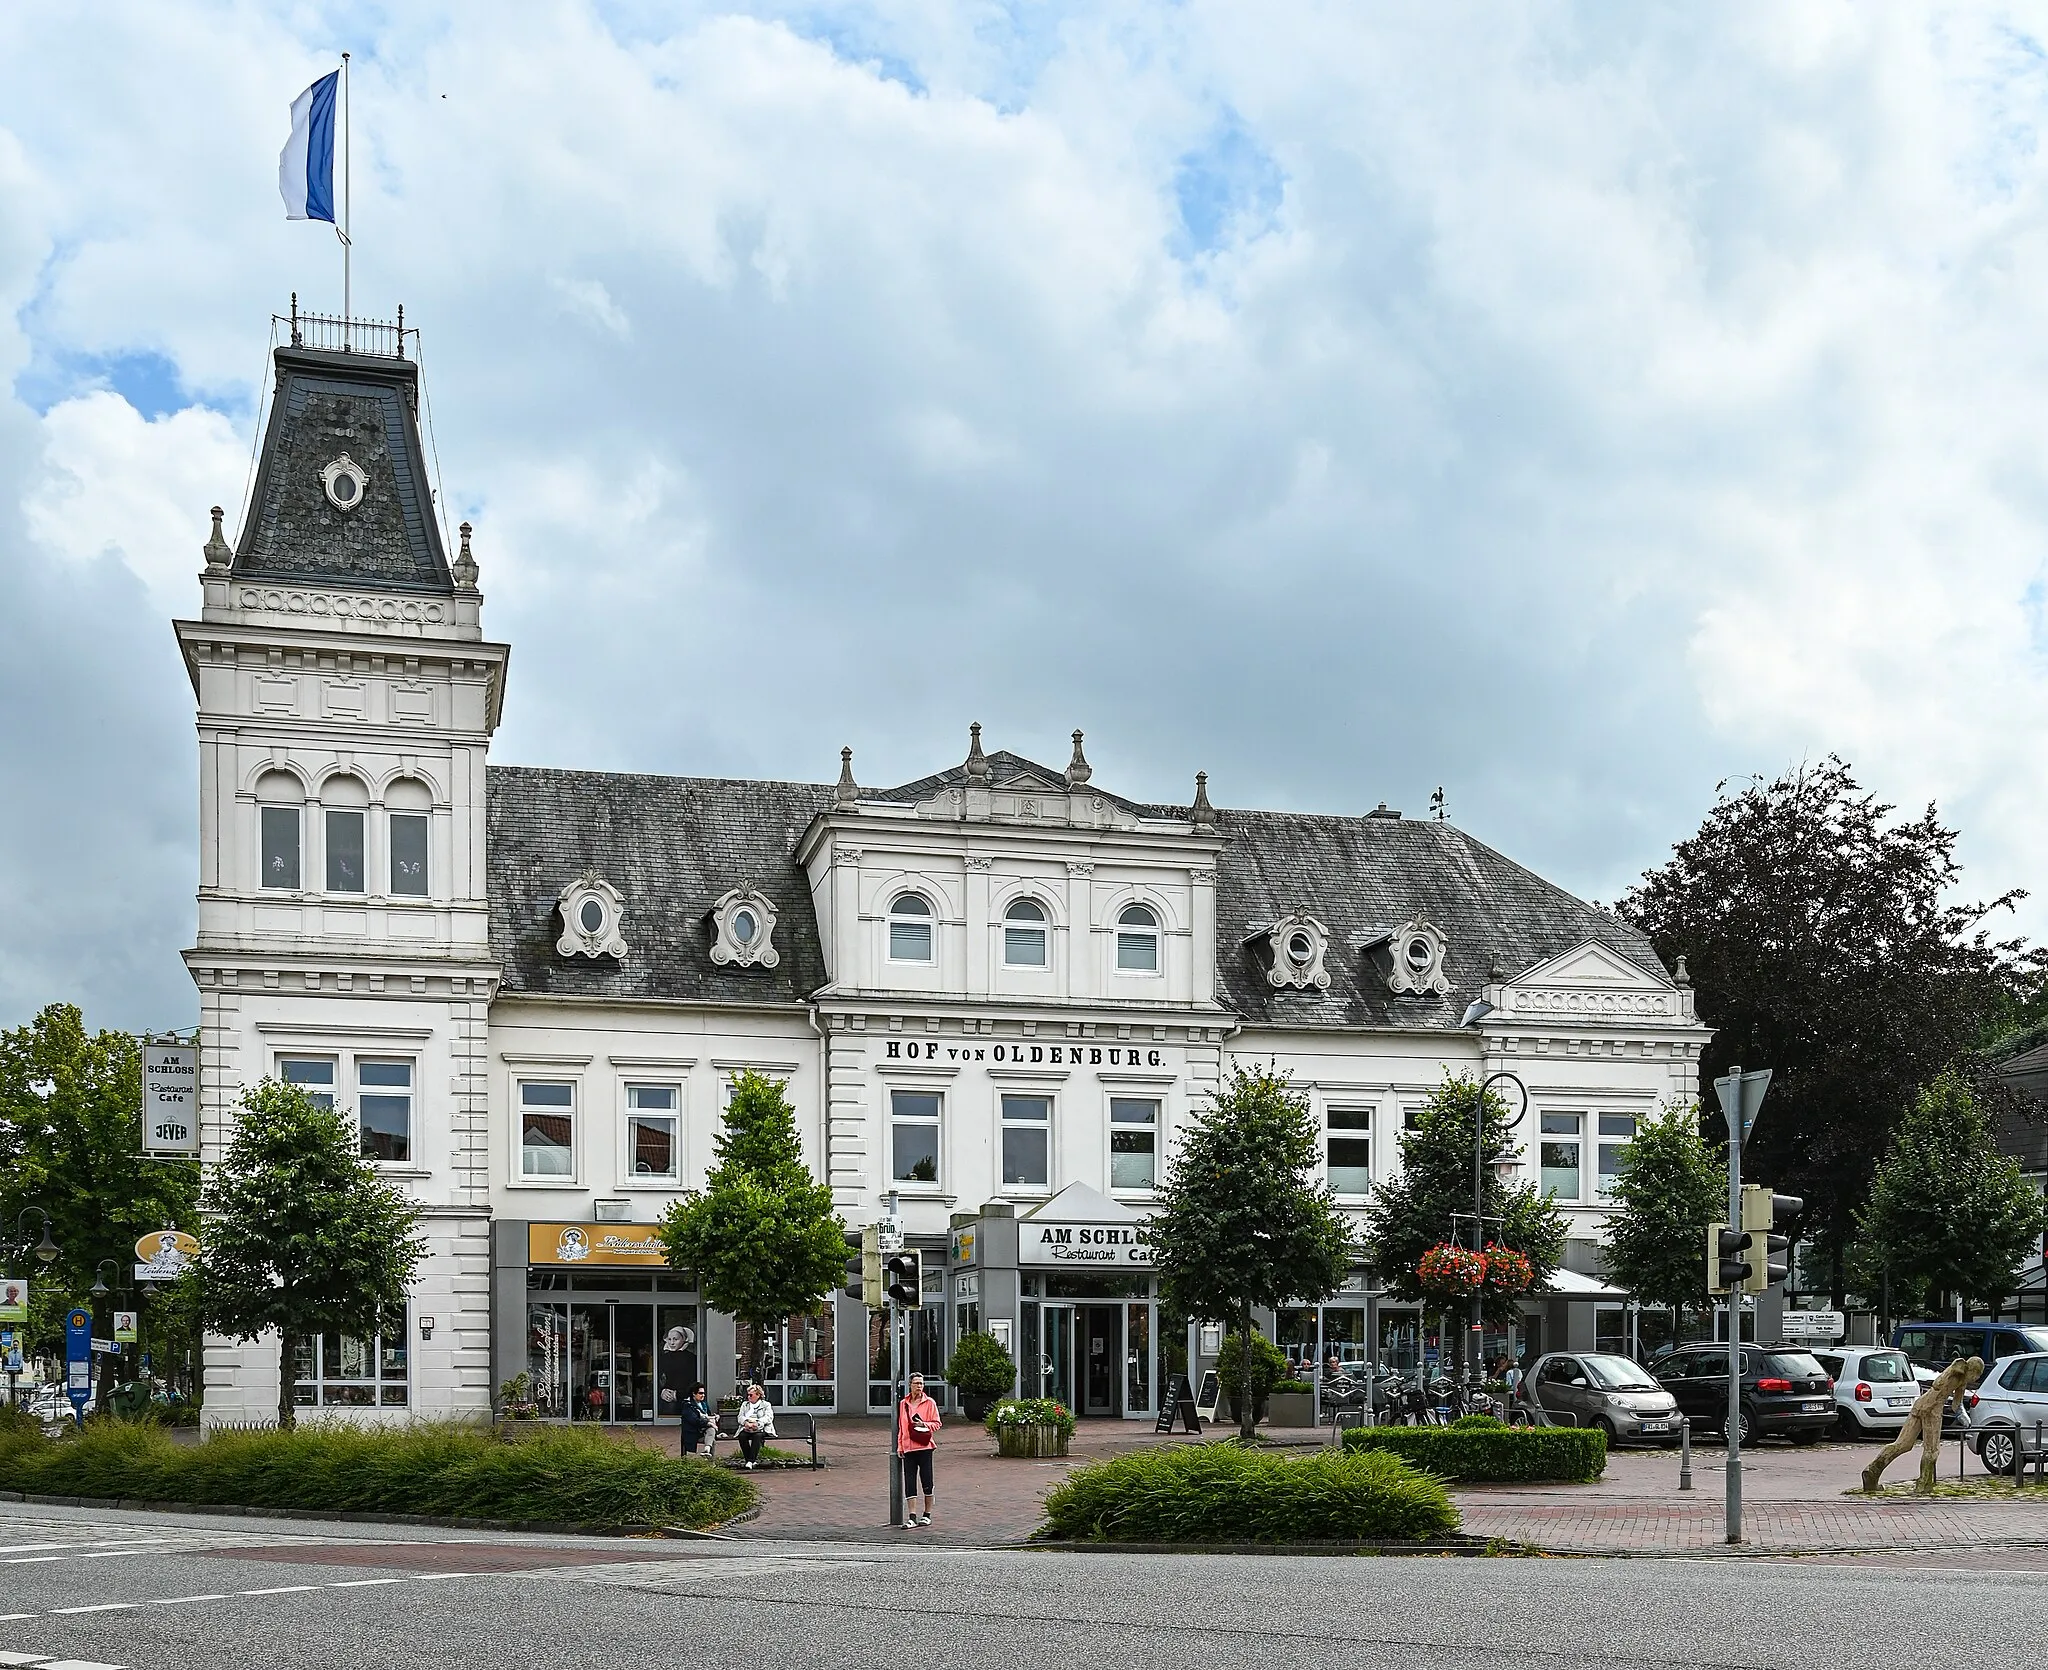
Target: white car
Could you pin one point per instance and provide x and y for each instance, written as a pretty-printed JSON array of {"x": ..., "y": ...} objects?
[
  {"x": 1874, "y": 1388},
  {"x": 2013, "y": 1397}
]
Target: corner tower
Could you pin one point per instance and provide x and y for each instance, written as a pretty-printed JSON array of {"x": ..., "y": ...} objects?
[{"x": 346, "y": 702}]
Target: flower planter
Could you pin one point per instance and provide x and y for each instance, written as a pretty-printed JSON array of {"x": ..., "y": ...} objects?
[
  {"x": 1291, "y": 1409},
  {"x": 1032, "y": 1440}
]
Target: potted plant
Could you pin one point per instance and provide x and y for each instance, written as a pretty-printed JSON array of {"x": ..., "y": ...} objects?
[
  {"x": 1250, "y": 1380},
  {"x": 516, "y": 1400},
  {"x": 981, "y": 1371},
  {"x": 1030, "y": 1426},
  {"x": 1291, "y": 1403}
]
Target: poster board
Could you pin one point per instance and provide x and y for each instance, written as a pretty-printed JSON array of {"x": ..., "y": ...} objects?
[{"x": 1209, "y": 1396}]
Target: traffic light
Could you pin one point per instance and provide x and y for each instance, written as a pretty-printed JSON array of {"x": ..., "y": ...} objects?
[
  {"x": 870, "y": 1286},
  {"x": 1766, "y": 1216},
  {"x": 905, "y": 1273},
  {"x": 1727, "y": 1271}
]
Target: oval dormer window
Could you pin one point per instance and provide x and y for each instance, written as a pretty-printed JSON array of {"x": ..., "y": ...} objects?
[
  {"x": 591, "y": 916},
  {"x": 1301, "y": 949},
  {"x": 744, "y": 927},
  {"x": 1420, "y": 955},
  {"x": 345, "y": 483}
]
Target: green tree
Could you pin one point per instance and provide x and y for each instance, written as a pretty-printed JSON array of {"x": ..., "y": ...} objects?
[
  {"x": 71, "y": 1144},
  {"x": 301, "y": 1234},
  {"x": 1429, "y": 1202},
  {"x": 761, "y": 1234},
  {"x": 1822, "y": 943},
  {"x": 1669, "y": 1185},
  {"x": 1241, "y": 1221},
  {"x": 1949, "y": 1216}
]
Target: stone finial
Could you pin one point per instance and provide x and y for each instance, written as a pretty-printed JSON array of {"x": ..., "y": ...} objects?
[
  {"x": 216, "y": 549},
  {"x": 1202, "y": 815},
  {"x": 465, "y": 563},
  {"x": 978, "y": 771},
  {"x": 1681, "y": 976},
  {"x": 846, "y": 797},
  {"x": 1078, "y": 768}
]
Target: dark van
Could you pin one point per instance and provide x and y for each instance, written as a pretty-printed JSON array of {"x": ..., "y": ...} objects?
[{"x": 1934, "y": 1345}]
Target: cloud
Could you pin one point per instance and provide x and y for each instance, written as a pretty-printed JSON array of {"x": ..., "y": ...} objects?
[{"x": 1571, "y": 407}]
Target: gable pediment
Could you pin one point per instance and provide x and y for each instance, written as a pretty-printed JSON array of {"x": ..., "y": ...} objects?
[{"x": 1594, "y": 982}]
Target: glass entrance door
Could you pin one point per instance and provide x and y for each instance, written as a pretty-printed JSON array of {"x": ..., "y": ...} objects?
[
  {"x": 1102, "y": 1357},
  {"x": 1058, "y": 1361},
  {"x": 633, "y": 1363}
]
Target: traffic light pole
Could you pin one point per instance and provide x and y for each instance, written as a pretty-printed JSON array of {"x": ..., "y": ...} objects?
[
  {"x": 895, "y": 1423},
  {"x": 1733, "y": 1430}
]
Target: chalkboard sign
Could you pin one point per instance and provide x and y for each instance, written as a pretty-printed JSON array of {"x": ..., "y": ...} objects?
[
  {"x": 1179, "y": 1401},
  {"x": 1210, "y": 1395}
]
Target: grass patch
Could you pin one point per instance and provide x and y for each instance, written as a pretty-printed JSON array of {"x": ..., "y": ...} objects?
[
  {"x": 1224, "y": 1493},
  {"x": 552, "y": 1475},
  {"x": 1491, "y": 1453}
]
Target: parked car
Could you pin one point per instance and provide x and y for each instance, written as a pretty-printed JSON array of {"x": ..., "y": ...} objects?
[
  {"x": 1874, "y": 1388},
  {"x": 1935, "y": 1345},
  {"x": 1785, "y": 1392},
  {"x": 1598, "y": 1388},
  {"x": 2012, "y": 1399}
]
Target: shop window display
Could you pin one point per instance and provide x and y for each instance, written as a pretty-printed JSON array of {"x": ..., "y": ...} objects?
[{"x": 793, "y": 1361}]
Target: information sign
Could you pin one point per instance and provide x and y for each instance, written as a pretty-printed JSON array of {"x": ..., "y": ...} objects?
[{"x": 170, "y": 1099}]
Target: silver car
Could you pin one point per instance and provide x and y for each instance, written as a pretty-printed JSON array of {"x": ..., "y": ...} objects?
[
  {"x": 2012, "y": 1398},
  {"x": 1599, "y": 1388},
  {"x": 1874, "y": 1388}
]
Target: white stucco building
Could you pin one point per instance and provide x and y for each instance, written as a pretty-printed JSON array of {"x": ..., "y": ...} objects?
[{"x": 999, "y": 991}]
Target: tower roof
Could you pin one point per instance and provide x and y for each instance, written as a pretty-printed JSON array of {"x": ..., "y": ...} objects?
[{"x": 341, "y": 493}]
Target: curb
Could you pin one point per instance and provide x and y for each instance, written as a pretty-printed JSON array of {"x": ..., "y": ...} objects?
[
  {"x": 539, "y": 1527},
  {"x": 1328, "y": 1550}
]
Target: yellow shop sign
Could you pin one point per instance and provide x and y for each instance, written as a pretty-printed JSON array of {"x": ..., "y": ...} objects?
[{"x": 634, "y": 1244}]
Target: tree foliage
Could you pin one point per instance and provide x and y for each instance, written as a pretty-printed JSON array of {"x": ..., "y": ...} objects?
[
  {"x": 1948, "y": 1216},
  {"x": 761, "y": 1234},
  {"x": 1421, "y": 1207},
  {"x": 71, "y": 1144},
  {"x": 301, "y": 1234},
  {"x": 1817, "y": 936},
  {"x": 1669, "y": 1185},
  {"x": 1242, "y": 1220}
]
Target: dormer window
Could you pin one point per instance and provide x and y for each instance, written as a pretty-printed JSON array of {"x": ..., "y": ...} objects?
[
  {"x": 1293, "y": 949},
  {"x": 1137, "y": 940},
  {"x": 743, "y": 926},
  {"x": 1024, "y": 934},
  {"x": 592, "y": 917},
  {"x": 910, "y": 929}
]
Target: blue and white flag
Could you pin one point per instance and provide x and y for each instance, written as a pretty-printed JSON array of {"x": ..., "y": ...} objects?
[{"x": 305, "y": 167}]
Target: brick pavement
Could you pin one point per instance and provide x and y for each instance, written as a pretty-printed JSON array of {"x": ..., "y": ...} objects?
[{"x": 1794, "y": 1499}]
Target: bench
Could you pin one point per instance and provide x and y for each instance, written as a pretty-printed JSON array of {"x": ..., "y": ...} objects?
[{"x": 791, "y": 1426}]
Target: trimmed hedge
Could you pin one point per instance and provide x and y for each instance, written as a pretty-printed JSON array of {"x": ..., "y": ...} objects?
[
  {"x": 1489, "y": 1453},
  {"x": 545, "y": 1474},
  {"x": 1225, "y": 1493}
]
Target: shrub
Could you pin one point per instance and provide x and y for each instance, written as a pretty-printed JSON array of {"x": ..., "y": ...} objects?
[
  {"x": 1491, "y": 1453},
  {"x": 1269, "y": 1366},
  {"x": 1300, "y": 1388},
  {"x": 1031, "y": 1411},
  {"x": 550, "y": 1474},
  {"x": 1226, "y": 1493},
  {"x": 981, "y": 1367}
]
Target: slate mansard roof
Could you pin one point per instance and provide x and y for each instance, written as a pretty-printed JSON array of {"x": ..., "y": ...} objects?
[
  {"x": 328, "y": 405},
  {"x": 673, "y": 845}
]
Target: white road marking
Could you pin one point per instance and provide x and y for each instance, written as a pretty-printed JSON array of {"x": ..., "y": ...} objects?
[
  {"x": 365, "y": 1582},
  {"x": 34, "y": 1559},
  {"x": 112, "y": 1553},
  {"x": 103, "y": 1606},
  {"x": 76, "y": 1664},
  {"x": 20, "y": 1658},
  {"x": 186, "y": 1600},
  {"x": 287, "y": 1589},
  {"x": 443, "y": 1576},
  {"x": 32, "y": 1548}
]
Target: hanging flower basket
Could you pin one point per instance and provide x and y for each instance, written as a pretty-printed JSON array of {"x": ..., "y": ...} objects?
[
  {"x": 1450, "y": 1272},
  {"x": 1508, "y": 1273}
]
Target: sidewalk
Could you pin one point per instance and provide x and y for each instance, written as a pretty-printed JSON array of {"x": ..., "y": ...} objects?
[{"x": 1794, "y": 1501}]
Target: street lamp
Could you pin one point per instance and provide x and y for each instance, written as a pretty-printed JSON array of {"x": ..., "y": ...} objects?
[
  {"x": 99, "y": 1282},
  {"x": 46, "y": 1250},
  {"x": 1475, "y": 1012}
]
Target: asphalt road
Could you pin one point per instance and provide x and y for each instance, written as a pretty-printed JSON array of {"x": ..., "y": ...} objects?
[{"x": 81, "y": 1588}]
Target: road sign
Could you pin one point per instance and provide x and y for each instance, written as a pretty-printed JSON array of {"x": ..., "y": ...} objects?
[
  {"x": 1741, "y": 1095},
  {"x": 892, "y": 1234},
  {"x": 78, "y": 1359},
  {"x": 170, "y": 1099},
  {"x": 1814, "y": 1324}
]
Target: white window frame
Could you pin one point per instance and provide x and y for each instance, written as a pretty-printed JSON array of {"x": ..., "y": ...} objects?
[
  {"x": 1367, "y": 1133},
  {"x": 1578, "y": 1142},
  {"x": 929, "y": 922},
  {"x": 426, "y": 821},
  {"x": 297, "y": 813},
  {"x": 327, "y": 816},
  {"x": 332, "y": 1061},
  {"x": 1156, "y": 934},
  {"x": 1040, "y": 924},
  {"x": 629, "y": 1178},
  {"x": 937, "y": 1122},
  {"x": 1003, "y": 1125},
  {"x": 322, "y": 1379},
  {"x": 547, "y": 1180},
  {"x": 411, "y": 1092},
  {"x": 1157, "y": 1126},
  {"x": 1603, "y": 1145}
]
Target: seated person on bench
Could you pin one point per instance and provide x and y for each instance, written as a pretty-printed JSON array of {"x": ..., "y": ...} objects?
[{"x": 757, "y": 1425}]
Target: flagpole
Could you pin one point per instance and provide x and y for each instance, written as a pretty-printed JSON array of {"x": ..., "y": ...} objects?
[{"x": 347, "y": 249}]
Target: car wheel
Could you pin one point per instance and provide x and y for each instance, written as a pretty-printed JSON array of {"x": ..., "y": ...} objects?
[
  {"x": 1846, "y": 1425},
  {"x": 1997, "y": 1451},
  {"x": 1613, "y": 1437},
  {"x": 1745, "y": 1429}
]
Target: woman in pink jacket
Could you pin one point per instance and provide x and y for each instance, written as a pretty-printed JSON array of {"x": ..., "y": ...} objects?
[{"x": 917, "y": 1427}]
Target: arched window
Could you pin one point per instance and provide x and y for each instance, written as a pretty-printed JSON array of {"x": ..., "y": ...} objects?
[
  {"x": 910, "y": 929},
  {"x": 407, "y": 804},
  {"x": 280, "y": 803},
  {"x": 1024, "y": 934},
  {"x": 1137, "y": 940},
  {"x": 344, "y": 800}
]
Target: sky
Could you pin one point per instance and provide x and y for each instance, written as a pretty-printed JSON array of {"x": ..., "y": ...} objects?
[{"x": 1573, "y": 407}]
